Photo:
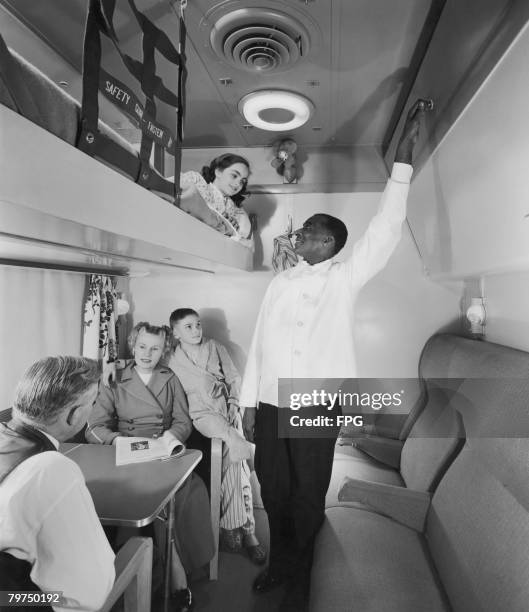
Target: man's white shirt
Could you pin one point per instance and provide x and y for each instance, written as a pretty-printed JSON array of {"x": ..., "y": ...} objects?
[
  {"x": 47, "y": 517},
  {"x": 305, "y": 325}
]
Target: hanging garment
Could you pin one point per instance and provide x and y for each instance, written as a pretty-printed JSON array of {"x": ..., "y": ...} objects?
[{"x": 284, "y": 256}]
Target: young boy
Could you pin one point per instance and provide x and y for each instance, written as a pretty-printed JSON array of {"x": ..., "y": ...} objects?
[
  {"x": 146, "y": 399},
  {"x": 212, "y": 383}
]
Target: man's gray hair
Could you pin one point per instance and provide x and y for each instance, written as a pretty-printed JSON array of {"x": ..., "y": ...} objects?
[{"x": 52, "y": 384}]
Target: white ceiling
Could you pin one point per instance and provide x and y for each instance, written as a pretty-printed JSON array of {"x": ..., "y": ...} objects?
[{"x": 352, "y": 66}]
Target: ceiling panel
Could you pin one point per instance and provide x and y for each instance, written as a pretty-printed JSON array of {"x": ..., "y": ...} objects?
[
  {"x": 357, "y": 58},
  {"x": 375, "y": 41}
]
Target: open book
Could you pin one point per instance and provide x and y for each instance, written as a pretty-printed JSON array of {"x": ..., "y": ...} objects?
[{"x": 136, "y": 450}]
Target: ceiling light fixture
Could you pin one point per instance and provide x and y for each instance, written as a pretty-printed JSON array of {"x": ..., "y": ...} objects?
[{"x": 275, "y": 110}]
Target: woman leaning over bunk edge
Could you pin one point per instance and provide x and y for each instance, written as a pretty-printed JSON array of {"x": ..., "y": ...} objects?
[{"x": 222, "y": 186}]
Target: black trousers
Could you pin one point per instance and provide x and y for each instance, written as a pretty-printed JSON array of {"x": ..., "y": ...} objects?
[{"x": 294, "y": 474}]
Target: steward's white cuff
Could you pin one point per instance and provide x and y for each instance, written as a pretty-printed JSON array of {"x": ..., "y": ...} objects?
[{"x": 401, "y": 173}]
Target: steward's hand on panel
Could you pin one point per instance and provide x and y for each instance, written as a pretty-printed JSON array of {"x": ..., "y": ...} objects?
[{"x": 410, "y": 131}]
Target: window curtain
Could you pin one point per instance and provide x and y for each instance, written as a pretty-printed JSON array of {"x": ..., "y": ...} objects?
[
  {"x": 100, "y": 316},
  {"x": 40, "y": 314}
]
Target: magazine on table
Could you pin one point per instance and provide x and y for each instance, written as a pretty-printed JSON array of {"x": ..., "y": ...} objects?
[{"x": 137, "y": 450}]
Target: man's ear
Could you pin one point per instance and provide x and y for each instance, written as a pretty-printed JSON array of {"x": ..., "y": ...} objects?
[
  {"x": 328, "y": 241},
  {"x": 73, "y": 415}
]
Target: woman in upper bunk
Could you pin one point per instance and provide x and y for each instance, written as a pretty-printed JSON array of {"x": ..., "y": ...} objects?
[
  {"x": 215, "y": 196},
  {"x": 212, "y": 383},
  {"x": 146, "y": 399}
]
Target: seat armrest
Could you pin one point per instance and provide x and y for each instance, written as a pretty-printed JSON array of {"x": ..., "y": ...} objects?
[
  {"x": 385, "y": 450},
  {"x": 216, "y": 476},
  {"x": 406, "y": 506},
  {"x": 133, "y": 565}
]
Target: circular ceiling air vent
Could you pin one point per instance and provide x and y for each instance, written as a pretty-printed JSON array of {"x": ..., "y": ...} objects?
[{"x": 260, "y": 40}]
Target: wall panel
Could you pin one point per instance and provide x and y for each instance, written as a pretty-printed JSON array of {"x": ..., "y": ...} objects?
[
  {"x": 396, "y": 312},
  {"x": 40, "y": 315}
]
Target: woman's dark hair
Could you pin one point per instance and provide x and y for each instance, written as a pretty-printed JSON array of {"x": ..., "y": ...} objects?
[
  {"x": 222, "y": 162},
  {"x": 179, "y": 314}
]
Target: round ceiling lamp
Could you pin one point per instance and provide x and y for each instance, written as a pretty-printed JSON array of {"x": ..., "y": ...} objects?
[{"x": 275, "y": 110}]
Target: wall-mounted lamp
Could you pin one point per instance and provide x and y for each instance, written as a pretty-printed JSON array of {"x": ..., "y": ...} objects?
[
  {"x": 476, "y": 315},
  {"x": 122, "y": 306},
  {"x": 275, "y": 110}
]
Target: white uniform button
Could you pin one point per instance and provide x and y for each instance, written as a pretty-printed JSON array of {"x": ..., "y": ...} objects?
[
  {"x": 297, "y": 353},
  {"x": 305, "y": 296},
  {"x": 300, "y": 323}
]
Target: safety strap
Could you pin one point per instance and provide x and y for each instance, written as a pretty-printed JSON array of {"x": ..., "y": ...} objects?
[
  {"x": 182, "y": 77},
  {"x": 123, "y": 97},
  {"x": 100, "y": 21}
]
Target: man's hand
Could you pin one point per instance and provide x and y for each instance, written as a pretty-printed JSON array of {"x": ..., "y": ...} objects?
[
  {"x": 109, "y": 373},
  {"x": 410, "y": 131},
  {"x": 248, "y": 423}
]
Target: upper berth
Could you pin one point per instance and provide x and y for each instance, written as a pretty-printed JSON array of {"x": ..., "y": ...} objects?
[{"x": 52, "y": 193}]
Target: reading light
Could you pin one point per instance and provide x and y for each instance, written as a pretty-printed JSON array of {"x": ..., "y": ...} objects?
[
  {"x": 275, "y": 110},
  {"x": 123, "y": 306}
]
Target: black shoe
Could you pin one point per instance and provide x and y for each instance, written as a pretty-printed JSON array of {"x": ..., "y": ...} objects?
[
  {"x": 266, "y": 582},
  {"x": 182, "y": 601}
]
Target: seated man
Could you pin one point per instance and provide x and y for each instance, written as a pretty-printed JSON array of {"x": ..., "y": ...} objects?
[{"x": 50, "y": 536}]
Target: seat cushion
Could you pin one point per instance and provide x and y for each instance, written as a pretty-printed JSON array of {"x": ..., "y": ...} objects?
[
  {"x": 356, "y": 464},
  {"x": 364, "y": 562},
  {"x": 434, "y": 441},
  {"x": 478, "y": 527}
]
